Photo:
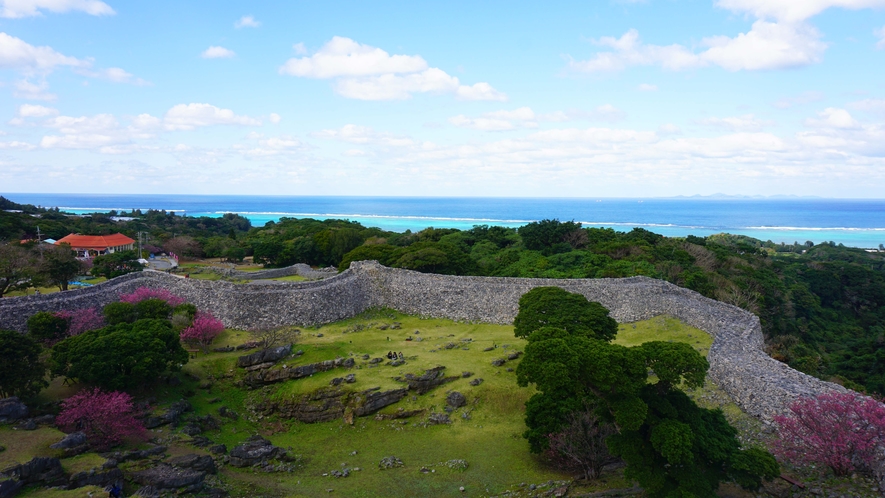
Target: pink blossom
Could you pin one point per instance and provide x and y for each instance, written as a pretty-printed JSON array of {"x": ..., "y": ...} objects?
[
  {"x": 203, "y": 330},
  {"x": 82, "y": 320},
  {"x": 143, "y": 293},
  {"x": 106, "y": 417},
  {"x": 841, "y": 431}
]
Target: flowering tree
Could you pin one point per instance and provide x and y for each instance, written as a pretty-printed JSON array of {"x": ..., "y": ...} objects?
[
  {"x": 81, "y": 320},
  {"x": 839, "y": 430},
  {"x": 106, "y": 417},
  {"x": 203, "y": 330},
  {"x": 143, "y": 293}
]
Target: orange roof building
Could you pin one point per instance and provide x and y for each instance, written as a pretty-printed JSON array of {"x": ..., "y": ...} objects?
[{"x": 95, "y": 245}]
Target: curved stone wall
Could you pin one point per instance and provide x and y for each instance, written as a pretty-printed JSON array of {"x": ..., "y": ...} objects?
[
  {"x": 299, "y": 269},
  {"x": 760, "y": 385}
]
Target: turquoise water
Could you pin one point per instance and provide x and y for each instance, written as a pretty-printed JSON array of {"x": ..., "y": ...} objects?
[{"x": 857, "y": 223}]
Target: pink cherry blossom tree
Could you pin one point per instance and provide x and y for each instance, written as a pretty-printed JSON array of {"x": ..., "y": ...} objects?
[
  {"x": 107, "y": 418},
  {"x": 81, "y": 320},
  {"x": 839, "y": 430},
  {"x": 204, "y": 329},
  {"x": 142, "y": 293}
]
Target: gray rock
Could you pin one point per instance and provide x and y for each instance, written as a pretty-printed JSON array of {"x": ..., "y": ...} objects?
[
  {"x": 43, "y": 470},
  {"x": 228, "y": 413},
  {"x": 72, "y": 440},
  {"x": 165, "y": 477},
  {"x": 428, "y": 380},
  {"x": 218, "y": 449},
  {"x": 456, "y": 399},
  {"x": 475, "y": 382},
  {"x": 465, "y": 375},
  {"x": 438, "y": 418},
  {"x": 12, "y": 409},
  {"x": 390, "y": 462},
  {"x": 93, "y": 478},
  {"x": 193, "y": 461},
  {"x": 273, "y": 375},
  {"x": 171, "y": 416},
  {"x": 272, "y": 355},
  {"x": 255, "y": 450},
  {"x": 336, "y": 381},
  {"x": 350, "y": 378}
]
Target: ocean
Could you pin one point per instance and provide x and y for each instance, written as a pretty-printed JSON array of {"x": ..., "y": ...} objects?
[{"x": 856, "y": 223}]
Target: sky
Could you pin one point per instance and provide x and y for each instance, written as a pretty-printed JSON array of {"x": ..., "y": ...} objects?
[{"x": 609, "y": 98}]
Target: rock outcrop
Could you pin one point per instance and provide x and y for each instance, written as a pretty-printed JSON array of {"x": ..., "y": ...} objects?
[{"x": 280, "y": 374}]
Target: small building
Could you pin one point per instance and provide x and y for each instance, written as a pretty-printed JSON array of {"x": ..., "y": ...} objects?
[{"x": 89, "y": 246}]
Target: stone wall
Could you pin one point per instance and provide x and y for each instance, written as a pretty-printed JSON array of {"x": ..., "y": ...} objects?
[
  {"x": 299, "y": 269},
  {"x": 760, "y": 385}
]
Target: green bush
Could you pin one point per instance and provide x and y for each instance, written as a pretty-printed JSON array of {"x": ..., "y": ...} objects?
[
  {"x": 153, "y": 309},
  {"x": 22, "y": 372},
  {"x": 116, "y": 313},
  {"x": 46, "y": 327}
]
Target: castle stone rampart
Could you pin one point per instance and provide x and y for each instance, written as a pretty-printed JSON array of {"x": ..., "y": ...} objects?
[{"x": 761, "y": 385}]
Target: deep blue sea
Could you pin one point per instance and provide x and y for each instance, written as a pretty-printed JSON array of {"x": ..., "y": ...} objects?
[{"x": 857, "y": 223}]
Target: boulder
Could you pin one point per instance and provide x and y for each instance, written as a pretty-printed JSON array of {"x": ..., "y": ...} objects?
[
  {"x": 10, "y": 488},
  {"x": 273, "y": 375},
  {"x": 193, "y": 461},
  {"x": 477, "y": 381},
  {"x": 456, "y": 399},
  {"x": 368, "y": 402},
  {"x": 390, "y": 462},
  {"x": 170, "y": 416},
  {"x": 165, "y": 477},
  {"x": 72, "y": 440},
  {"x": 121, "y": 457},
  {"x": 428, "y": 380},
  {"x": 43, "y": 470},
  {"x": 93, "y": 478},
  {"x": 438, "y": 418},
  {"x": 271, "y": 355},
  {"x": 255, "y": 450},
  {"x": 12, "y": 409}
]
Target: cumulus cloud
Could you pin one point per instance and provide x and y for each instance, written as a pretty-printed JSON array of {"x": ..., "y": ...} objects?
[
  {"x": 370, "y": 73},
  {"x": 358, "y": 134},
  {"x": 247, "y": 22},
  {"x": 275, "y": 118},
  {"x": 498, "y": 120},
  {"x": 272, "y": 146},
  {"x": 605, "y": 112},
  {"x": 880, "y": 33},
  {"x": 870, "y": 105},
  {"x": 766, "y": 46},
  {"x": 747, "y": 122},
  {"x": 29, "y": 8},
  {"x": 24, "y": 89},
  {"x": 190, "y": 116},
  {"x": 832, "y": 117},
  {"x": 85, "y": 132},
  {"x": 16, "y": 145},
  {"x": 15, "y": 53},
  {"x": 300, "y": 49},
  {"x": 794, "y": 10},
  {"x": 35, "y": 111},
  {"x": 215, "y": 52},
  {"x": 113, "y": 74}
]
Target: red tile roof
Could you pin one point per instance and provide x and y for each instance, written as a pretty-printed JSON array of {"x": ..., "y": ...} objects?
[{"x": 95, "y": 241}]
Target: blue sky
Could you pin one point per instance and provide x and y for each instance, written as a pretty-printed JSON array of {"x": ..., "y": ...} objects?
[{"x": 603, "y": 98}]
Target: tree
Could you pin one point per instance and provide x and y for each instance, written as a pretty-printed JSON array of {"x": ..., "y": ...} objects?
[
  {"x": 81, "y": 320},
  {"x": 18, "y": 267},
  {"x": 47, "y": 327},
  {"x": 105, "y": 417},
  {"x": 143, "y": 293},
  {"x": 116, "y": 313},
  {"x": 842, "y": 431},
  {"x": 204, "y": 329},
  {"x": 268, "y": 338},
  {"x": 120, "y": 356},
  {"x": 550, "y": 236},
  {"x": 184, "y": 247},
  {"x": 116, "y": 264},
  {"x": 60, "y": 265},
  {"x": 581, "y": 443},
  {"x": 555, "y": 307},
  {"x": 671, "y": 446},
  {"x": 23, "y": 371}
]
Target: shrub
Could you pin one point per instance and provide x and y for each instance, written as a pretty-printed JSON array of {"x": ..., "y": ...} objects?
[
  {"x": 116, "y": 313},
  {"x": 120, "y": 356},
  {"x": 143, "y": 293},
  {"x": 22, "y": 372},
  {"x": 203, "y": 330},
  {"x": 81, "y": 320},
  {"x": 47, "y": 328},
  {"x": 153, "y": 309},
  {"x": 106, "y": 417},
  {"x": 838, "y": 430}
]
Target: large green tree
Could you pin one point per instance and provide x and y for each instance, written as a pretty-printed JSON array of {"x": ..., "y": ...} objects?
[
  {"x": 22, "y": 372},
  {"x": 556, "y": 307},
  {"x": 116, "y": 264},
  {"x": 18, "y": 267},
  {"x": 672, "y": 447},
  {"x": 60, "y": 265},
  {"x": 120, "y": 356}
]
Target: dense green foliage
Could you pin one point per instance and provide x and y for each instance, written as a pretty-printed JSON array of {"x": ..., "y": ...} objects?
[
  {"x": 120, "y": 356},
  {"x": 671, "y": 446},
  {"x": 22, "y": 372},
  {"x": 60, "y": 265},
  {"x": 46, "y": 327},
  {"x": 555, "y": 307},
  {"x": 116, "y": 264}
]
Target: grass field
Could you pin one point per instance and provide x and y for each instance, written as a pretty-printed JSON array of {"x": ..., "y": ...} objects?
[{"x": 489, "y": 438}]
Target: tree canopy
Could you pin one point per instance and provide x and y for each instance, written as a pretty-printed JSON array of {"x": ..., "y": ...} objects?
[
  {"x": 23, "y": 371},
  {"x": 556, "y": 307}
]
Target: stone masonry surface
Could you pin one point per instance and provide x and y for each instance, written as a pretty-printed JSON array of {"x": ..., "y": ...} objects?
[{"x": 759, "y": 384}]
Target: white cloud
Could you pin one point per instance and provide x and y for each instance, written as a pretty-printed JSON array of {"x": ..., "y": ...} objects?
[
  {"x": 36, "y": 111},
  {"x": 766, "y": 46},
  {"x": 28, "y": 8},
  {"x": 669, "y": 129},
  {"x": 275, "y": 118},
  {"x": 299, "y": 48},
  {"x": 214, "y": 52},
  {"x": 24, "y": 89},
  {"x": 363, "y": 135},
  {"x": 645, "y": 87},
  {"x": 190, "y": 116},
  {"x": 747, "y": 122},
  {"x": 273, "y": 146},
  {"x": 370, "y": 73},
  {"x": 113, "y": 74},
  {"x": 794, "y": 10},
  {"x": 871, "y": 105},
  {"x": 605, "y": 112},
  {"x": 832, "y": 117},
  {"x": 247, "y": 22},
  {"x": 15, "y": 53},
  {"x": 84, "y": 132},
  {"x": 801, "y": 99},
  {"x": 881, "y": 34},
  {"x": 16, "y": 145}
]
